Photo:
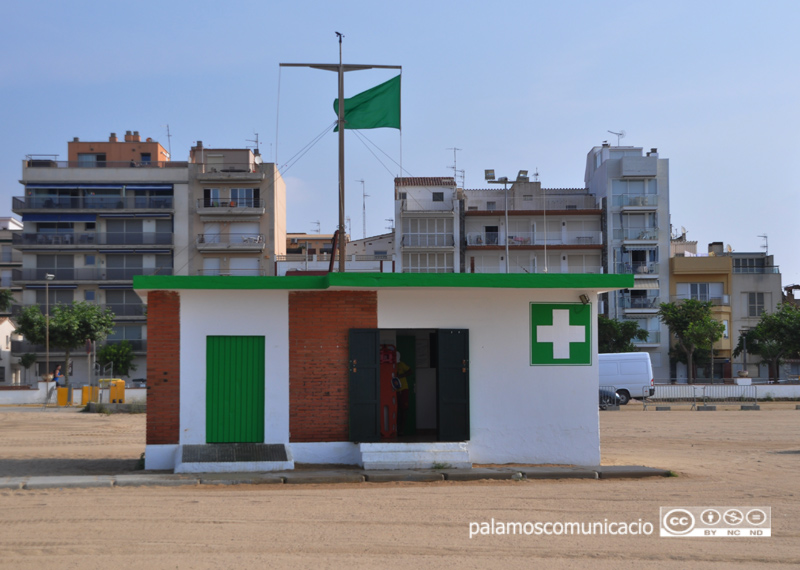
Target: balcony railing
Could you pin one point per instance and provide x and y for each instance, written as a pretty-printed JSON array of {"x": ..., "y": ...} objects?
[
  {"x": 88, "y": 273},
  {"x": 428, "y": 240},
  {"x": 496, "y": 203},
  {"x": 232, "y": 240},
  {"x": 723, "y": 301},
  {"x": 232, "y": 272},
  {"x": 127, "y": 309},
  {"x": 649, "y": 302},
  {"x": 539, "y": 238},
  {"x": 45, "y": 163},
  {"x": 229, "y": 167},
  {"x": 758, "y": 270},
  {"x": 94, "y": 238},
  {"x": 514, "y": 268},
  {"x": 635, "y": 200},
  {"x": 648, "y": 234},
  {"x": 23, "y": 346},
  {"x": 217, "y": 204},
  {"x": 637, "y": 268},
  {"x": 653, "y": 337},
  {"x": 21, "y": 203}
]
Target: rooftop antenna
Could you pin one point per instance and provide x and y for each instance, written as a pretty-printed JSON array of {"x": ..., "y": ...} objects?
[
  {"x": 620, "y": 135},
  {"x": 536, "y": 175},
  {"x": 169, "y": 142},
  {"x": 364, "y": 197},
  {"x": 258, "y": 150},
  {"x": 765, "y": 247},
  {"x": 316, "y": 224},
  {"x": 454, "y": 168},
  {"x": 348, "y": 225},
  {"x": 390, "y": 227}
]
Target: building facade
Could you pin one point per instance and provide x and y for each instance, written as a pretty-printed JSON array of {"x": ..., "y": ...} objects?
[{"x": 632, "y": 190}]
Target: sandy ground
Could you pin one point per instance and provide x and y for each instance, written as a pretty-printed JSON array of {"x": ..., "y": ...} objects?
[{"x": 723, "y": 458}]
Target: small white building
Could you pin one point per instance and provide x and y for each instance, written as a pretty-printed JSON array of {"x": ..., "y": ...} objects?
[{"x": 278, "y": 370}]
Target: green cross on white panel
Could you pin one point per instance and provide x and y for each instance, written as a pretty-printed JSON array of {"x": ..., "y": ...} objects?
[{"x": 561, "y": 334}]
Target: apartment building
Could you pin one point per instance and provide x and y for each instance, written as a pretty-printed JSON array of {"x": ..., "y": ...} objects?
[
  {"x": 10, "y": 259},
  {"x": 632, "y": 190},
  {"x": 550, "y": 230},
  {"x": 237, "y": 224},
  {"x": 92, "y": 222},
  {"x": 428, "y": 226}
]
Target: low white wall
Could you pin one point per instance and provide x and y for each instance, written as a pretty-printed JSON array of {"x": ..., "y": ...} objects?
[{"x": 38, "y": 396}]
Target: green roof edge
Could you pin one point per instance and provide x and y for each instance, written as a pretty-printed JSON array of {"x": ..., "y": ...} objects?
[{"x": 386, "y": 280}]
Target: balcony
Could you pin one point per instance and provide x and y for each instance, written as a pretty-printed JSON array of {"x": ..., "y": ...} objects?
[
  {"x": 127, "y": 309},
  {"x": 230, "y": 242},
  {"x": 499, "y": 267},
  {"x": 90, "y": 274},
  {"x": 225, "y": 206},
  {"x": 636, "y": 234},
  {"x": 232, "y": 272},
  {"x": 479, "y": 203},
  {"x": 653, "y": 338},
  {"x": 92, "y": 239},
  {"x": 22, "y": 204},
  {"x": 637, "y": 267},
  {"x": 723, "y": 301},
  {"x": 47, "y": 163},
  {"x": 640, "y": 303},
  {"x": 19, "y": 347},
  {"x": 635, "y": 201},
  {"x": 428, "y": 240},
  {"x": 230, "y": 171},
  {"x": 477, "y": 239},
  {"x": 757, "y": 270}
]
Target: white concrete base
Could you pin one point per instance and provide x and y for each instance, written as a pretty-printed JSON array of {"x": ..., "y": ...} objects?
[
  {"x": 415, "y": 455},
  {"x": 335, "y": 452},
  {"x": 233, "y": 467},
  {"x": 160, "y": 457}
]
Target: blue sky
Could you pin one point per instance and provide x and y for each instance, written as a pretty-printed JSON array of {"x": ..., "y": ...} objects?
[{"x": 515, "y": 85}]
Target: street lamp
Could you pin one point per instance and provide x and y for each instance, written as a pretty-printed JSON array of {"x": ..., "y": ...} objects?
[
  {"x": 48, "y": 277},
  {"x": 490, "y": 178}
]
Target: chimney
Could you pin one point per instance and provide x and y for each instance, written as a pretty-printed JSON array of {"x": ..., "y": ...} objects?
[
  {"x": 605, "y": 144},
  {"x": 136, "y": 137},
  {"x": 76, "y": 139},
  {"x": 653, "y": 152},
  {"x": 149, "y": 139},
  {"x": 128, "y": 136},
  {"x": 113, "y": 137},
  {"x": 199, "y": 144},
  {"x": 715, "y": 248}
]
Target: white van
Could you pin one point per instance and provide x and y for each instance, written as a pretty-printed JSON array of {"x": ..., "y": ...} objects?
[{"x": 630, "y": 373}]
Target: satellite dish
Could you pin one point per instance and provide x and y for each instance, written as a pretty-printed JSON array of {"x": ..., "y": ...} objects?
[
  {"x": 728, "y": 248},
  {"x": 683, "y": 230}
]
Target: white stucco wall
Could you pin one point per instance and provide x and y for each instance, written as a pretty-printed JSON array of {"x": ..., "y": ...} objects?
[
  {"x": 518, "y": 413},
  {"x": 234, "y": 312}
]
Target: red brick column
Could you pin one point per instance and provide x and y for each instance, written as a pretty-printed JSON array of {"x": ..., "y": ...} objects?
[
  {"x": 163, "y": 367},
  {"x": 319, "y": 322}
]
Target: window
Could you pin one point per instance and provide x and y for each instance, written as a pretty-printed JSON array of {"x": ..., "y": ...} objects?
[
  {"x": 491, "y": 206},
  {"x": 57, "y": 296},
  {"x": 87, "y": 160},
  {"x": 123, "y": 267},
  {"x": 7, "y": 253},
  {"x": 402, "y": 195},
  {"x": 527, "y": 197},
  {"x": 88, "y": 260},
  {"x": 5, "y": 278},
  {"x": 211, "y": 197},
  {"x": 90, "y": 295},
  {"x": 90, "y": 226},
  {"x": 755, "y": 304},
  {"x": 725, "y": 333},
  {"x": 244, "y": 197},
  {"x": 472, "y": 208},
  {"x": 146, "y": 158},
  {"x": 438, "y": 196}
]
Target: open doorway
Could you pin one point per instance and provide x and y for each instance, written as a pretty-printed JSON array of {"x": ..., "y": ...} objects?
[{"x": 409, "y": 385}]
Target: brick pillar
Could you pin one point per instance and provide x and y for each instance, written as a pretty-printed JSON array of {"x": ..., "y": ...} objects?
[
  {"x": 319, "y": 321},
  {"x": 163, "y": 367}
]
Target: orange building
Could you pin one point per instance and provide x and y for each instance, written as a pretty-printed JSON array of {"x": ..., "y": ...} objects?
[{"x": 115, "y": 153}]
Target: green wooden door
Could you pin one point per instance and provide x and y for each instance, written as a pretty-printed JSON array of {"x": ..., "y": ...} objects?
[
  {"x": 452, "y": 384},
  {"x": 235, "y": 389},
  {"x": 365, "y": 345}
]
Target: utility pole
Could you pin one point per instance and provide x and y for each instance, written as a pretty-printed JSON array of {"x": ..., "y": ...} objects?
[{"x": 364, "y": 197}]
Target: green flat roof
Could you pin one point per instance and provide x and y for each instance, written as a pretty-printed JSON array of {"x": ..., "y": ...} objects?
[{"x": 599, "y": 282}]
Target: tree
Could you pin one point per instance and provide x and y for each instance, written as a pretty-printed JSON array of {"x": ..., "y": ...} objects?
[
  {"x": 70, "y": 326},
  {"x": 120, "y": 356},
  {"x": 618, "y": 336},
  {"x": 6, "y": 299},
  {"x": 691, "y": 323},
  {"x": 774, "y": 338}
]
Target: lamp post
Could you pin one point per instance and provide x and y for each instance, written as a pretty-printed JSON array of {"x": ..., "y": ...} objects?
[
  {"x": 521, "y": 177},
  {"x": 48, "y": 277}
]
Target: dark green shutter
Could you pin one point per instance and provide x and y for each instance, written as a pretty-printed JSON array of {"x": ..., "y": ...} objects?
[
  {"x": 364, "y": 385},
  {"x": 452, "y": 384},
  {"x": 235, "y": 389}
]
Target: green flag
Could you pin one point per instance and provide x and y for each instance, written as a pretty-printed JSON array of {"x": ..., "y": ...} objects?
[{"x": 374, "y": 108}]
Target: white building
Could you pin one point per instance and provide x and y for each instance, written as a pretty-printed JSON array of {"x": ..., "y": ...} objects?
[{"x": 632, "y": 189}]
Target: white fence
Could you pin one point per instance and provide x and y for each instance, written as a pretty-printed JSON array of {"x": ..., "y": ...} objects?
[{"x": 38, "y": 395}]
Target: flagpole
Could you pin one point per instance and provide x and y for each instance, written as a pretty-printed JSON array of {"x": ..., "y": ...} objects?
[{"x": 342, "y": 245}]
